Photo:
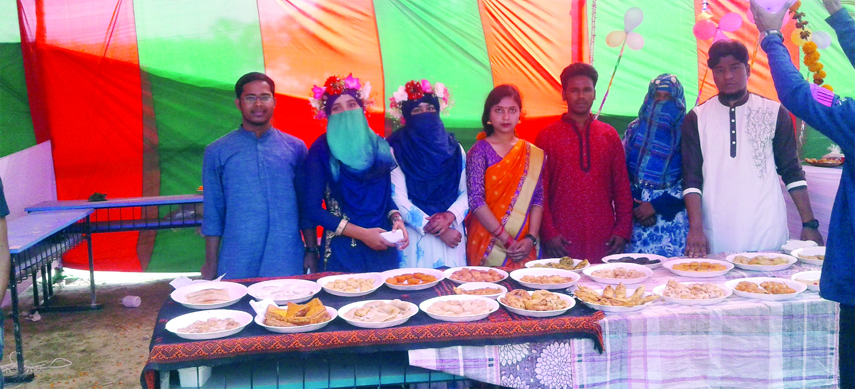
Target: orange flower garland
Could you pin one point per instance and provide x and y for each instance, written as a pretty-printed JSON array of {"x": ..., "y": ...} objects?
[{"x": 811, "y": 58}]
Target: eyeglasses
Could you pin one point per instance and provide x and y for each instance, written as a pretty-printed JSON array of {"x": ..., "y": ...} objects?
[{"x": 251, "y": 99}]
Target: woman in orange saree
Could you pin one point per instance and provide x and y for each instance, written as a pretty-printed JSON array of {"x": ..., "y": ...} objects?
[{"x": 505, "y": 190}]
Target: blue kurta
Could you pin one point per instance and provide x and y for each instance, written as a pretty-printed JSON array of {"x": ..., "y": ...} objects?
[
  {"x": 838, "y": 123},
  {"x": 250, "y": 199},
  {"x": 363, "y": 201}
]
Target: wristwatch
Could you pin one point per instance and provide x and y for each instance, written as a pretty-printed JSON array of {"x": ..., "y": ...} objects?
[
  {"x": 533, "y": 239},
  {"x": 313, "y": 249},
  {"x": 813, "y": 224}
]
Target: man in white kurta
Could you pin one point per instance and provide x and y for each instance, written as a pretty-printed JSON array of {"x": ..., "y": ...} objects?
[{"x": 735, "y": 145}]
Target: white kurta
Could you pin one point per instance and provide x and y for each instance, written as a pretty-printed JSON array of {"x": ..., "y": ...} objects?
[
  {"x": 427, "y": 250},
  {"x": 743, "y": 207}
]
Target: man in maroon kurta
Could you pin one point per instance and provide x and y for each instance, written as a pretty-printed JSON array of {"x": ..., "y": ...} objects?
[{"x": 587, "y": 211}]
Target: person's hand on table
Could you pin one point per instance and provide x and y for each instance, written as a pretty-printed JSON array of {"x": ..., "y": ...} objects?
[
  {"x": 399, "y": 225},
  {"x": 697, "y": 244},
  {"x": 439, "y": 222},
  {"x": 310, "y": 262},
  {"x": 615, "y": 244},
  {"x": 556, "y": 247},
  {"x": 451, "y": 237},
  {"x": 765, "y": 20},
  {"x": 812, "y": 234},
  {"x": 209, "y": 271}
]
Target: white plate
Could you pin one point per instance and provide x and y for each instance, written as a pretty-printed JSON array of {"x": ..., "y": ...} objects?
[
  {"x": 236, "y": 292},
  {"x": 660, "y": 290},
  {"x": 698, "y": 274},
  {"x": 259, "y": 319},
  {"x": 820, "y": 250},
  {"x": 576, "y": 262},
  {"x": 793, "y": 244},
  {"x": 518, "y": 274},
  {"x": 386, "y": 324},
  {"x": 491, "y": 304},
  {"x": 262, "y": 290},
  {"x": 378, "y": 282},
  {"x": 182, "y": 321},
  {"x": 612, "y": 258},
  {"x": 448, "y": 272},
  {"x": 611, "y": 308},
  {"x": 524, "y": 312},
  {"x": 614, "y": 281},
  {"x": 396, "y": 272},
  {"x": 790, "y": 261},
  {"x": 481, "y": 285},
  {"x": 808, "y": 275},
  {"x": 798, "y": 286}
]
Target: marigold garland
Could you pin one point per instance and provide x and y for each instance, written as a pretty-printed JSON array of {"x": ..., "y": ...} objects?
[{"x": 811, "y": 58}]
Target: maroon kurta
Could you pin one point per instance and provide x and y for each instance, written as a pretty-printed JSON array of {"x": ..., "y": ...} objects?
[{"x": 586, "y": 185}]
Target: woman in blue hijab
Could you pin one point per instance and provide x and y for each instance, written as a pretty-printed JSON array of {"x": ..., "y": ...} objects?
[
  {"x": 653, "y": 159},
  {"x": 348, "y": 170},
  {"x": 429, "y": 184}
]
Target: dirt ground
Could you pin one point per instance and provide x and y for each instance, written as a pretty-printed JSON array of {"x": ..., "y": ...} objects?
[{"x": 105, "y": 348}]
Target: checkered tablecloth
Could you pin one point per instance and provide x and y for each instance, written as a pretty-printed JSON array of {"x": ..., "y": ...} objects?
[{"x": 740, "y": 343}]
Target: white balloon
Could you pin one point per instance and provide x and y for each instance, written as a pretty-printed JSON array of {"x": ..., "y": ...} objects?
[
  {"x": 773, "y": 5},
  {"x": 821, "y": 38},
  {"x": 632, "y": 18},
  {"x": 634, "y": 41}
]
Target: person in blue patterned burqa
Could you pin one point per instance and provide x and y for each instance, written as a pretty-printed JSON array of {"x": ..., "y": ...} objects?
[
  {"x": 429, "y": 184},
  {"x": 653, "y": 160},
  {"x": 249, "y": 176},
  {"x": 348, "y": 170}
]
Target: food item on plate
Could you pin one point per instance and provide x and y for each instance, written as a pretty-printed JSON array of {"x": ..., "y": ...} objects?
[
  {"x": 546, "y": 279},
  {"x": 808, "y": 282},
  {"x": 539, "y": 300},
  {"x": 208, "y": 296},
  {"x": 767, "y": 287},
  {"x": 379, "y": 311},
  {"x": 619, "y": 273},
  {"x": 824, "y": 161},
  {"x": 699, "y": 266},
  {"x": 760, "y": 260},
  {"x": 475, "y": 275},
  {"x": 636, "y": 260},
  {"x": 818, "y": 257},
  {"x": 479, "y": 291},
  {"x": 565, "y": 263},
  {"x": 284, "y": 292},
  {"x": 351, "y": 285},
  {"x": 213, "y": 324},
  {"x": 459, "y": 308},
  {"x": 615, "y": 296},
  {"x": 411, "y": 279},
  {"x": 313, "y": 312},
  {"x": 699, "y": 291}
]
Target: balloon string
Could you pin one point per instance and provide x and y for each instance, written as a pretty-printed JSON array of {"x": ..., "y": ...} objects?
[
  {"x": 617, "y": 63},
  {"x": 701, "y": 87},
  {"x": 754, "y": 55}
]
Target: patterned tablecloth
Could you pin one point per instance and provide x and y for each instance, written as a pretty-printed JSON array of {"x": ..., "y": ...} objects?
[{"x": 740, "y": 342}]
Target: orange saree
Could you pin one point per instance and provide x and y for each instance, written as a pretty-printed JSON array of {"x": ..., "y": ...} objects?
[{"x": 508, "y": 189}]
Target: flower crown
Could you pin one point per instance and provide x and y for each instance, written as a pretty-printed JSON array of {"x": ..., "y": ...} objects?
[
  {"x": 335, "y": 85},
  {"x": 415, "y": 90}
]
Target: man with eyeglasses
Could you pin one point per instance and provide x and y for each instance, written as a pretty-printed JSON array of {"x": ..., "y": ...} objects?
[{"x": 251, "y": 223}]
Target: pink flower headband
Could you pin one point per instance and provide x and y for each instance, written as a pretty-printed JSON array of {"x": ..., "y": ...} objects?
[
  {"x": 415, "y": 90},
  {"x": 335, "y": 85}
]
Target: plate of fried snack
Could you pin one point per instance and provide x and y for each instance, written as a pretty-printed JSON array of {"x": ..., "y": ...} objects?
[
  {"x": 351, "y": 285},
  {"x": 378, "y": 313},
  {"x": 284, "y": 291},
  {"x": 209, "y": 295},
  {"x": 210, "y": 324},
  {"x": 482, "y": 289},
  {"x": 809, "y": 278},
  {"x": 766, "y": 288},
  {"x": 692, "y": 293},
  {"x": 458, "y": 308},
  {"x": 811, "y": 255},
  {"x": 650, "y": 260},
  {"x": 762, "y": 261},
  {"x": 293, "y": 318},
  {"x": 460, "y": 275},
  {"x": 540, "y": 303},
  {"x": 412, "y": 278},
  {"x": 564, "y": 263},
  {"x": 698, "y": 267},
  {"x": 545, "y": 278},
  {"x": 825, "y": 162},
  {"x": 618, "y": 299},
  {"x": 617, "y": 273}
]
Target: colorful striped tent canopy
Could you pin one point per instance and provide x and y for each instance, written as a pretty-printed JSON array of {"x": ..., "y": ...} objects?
[{"x": 129, "y": 92}]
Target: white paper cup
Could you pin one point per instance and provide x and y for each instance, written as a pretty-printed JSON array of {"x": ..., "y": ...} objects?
[{"x": 131, "y": 301}]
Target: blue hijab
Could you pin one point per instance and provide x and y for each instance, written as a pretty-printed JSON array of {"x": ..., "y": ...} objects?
[
  {"x": 652, "y": 141},
  {"x": 429, "y": 156}
]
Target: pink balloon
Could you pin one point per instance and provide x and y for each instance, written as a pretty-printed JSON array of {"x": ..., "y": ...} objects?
[
  {"x": 730, "y": 22},
  {"x": 704, "y": 29},
  {"x": 634, "y": 41},
  {"x": 719, "y": 35}
]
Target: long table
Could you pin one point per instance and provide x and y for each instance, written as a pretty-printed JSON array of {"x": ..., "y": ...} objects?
[
  {"x": 36, "y": 240},
  {"x": 254, "y": 343},
  {"x": 741, "y": 342}
]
